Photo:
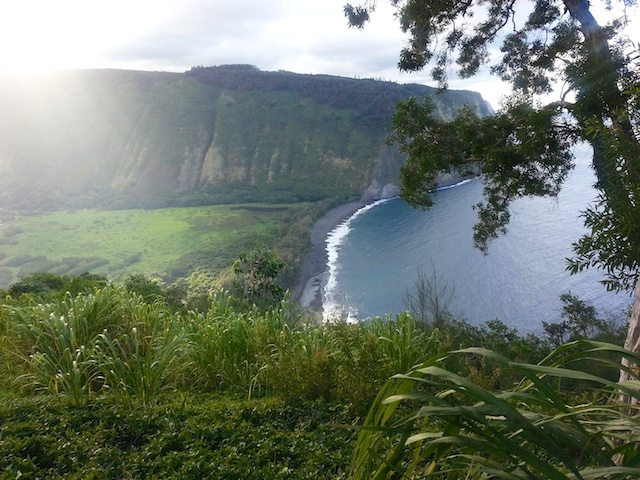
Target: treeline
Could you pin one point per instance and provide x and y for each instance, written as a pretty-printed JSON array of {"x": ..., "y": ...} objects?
[
  {"x": 279, "y": 191},
  {"x": 368, "y": 97}
]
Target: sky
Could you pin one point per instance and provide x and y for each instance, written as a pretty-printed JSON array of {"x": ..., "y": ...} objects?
[{"x": 302, "y": 36}]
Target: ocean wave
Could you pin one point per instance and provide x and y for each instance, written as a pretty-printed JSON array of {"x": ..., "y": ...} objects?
[
  {"x": 334, "y": 306},
  {"x": 457, "y": 184}
]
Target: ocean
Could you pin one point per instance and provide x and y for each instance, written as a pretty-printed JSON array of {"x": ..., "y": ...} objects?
[{"x": 377, "y": 255}]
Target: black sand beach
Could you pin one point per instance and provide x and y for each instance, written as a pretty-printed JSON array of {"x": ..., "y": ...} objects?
[{"x": 315, "y": 270}]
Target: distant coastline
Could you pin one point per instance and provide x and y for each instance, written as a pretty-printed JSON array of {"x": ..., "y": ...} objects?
[{"x": 315, "y": 271}]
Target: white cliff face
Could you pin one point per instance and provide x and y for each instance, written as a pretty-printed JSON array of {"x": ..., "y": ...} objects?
[{"x": 378, "y": 191}]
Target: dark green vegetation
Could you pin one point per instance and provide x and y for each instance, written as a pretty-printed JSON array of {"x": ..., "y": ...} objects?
[
  {"x": 139, "y": 346},
  {"x": 192, "y": 437},
  {"x": 136, "y": 381},
  {"x": 229, "y": 134},
  {"x": 435, "y": 423}
]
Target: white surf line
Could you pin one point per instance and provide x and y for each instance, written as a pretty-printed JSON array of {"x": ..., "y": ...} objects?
[
  {"x": 331, "y": 308},
  {"x": 457, "y": 184}
]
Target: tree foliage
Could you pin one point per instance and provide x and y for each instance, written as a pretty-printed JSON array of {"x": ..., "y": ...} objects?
[
  {"x": 518, "y": 152},
  {"x": 580, "y": 321},
  {"x": 526, "y": 148},
  {"x": 256, "y": 281}
]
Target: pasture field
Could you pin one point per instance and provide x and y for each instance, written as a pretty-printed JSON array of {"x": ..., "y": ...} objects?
[{"x": 118, "y": 243}]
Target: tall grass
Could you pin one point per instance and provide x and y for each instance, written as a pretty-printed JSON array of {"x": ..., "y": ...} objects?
[
  {"x": 77, "y": 346},
  {"x": 57, "y": 341},
  {"x": 404, "y": 341},
  {"x": 434, "y": 423},
  {"x": 300, "y": 364},
  {"x": 346, "y": 361},
  {"x": 145, "y": 358},
  {"x": 228, "y": 346},
  {"x": 224, "y": 351},
  {"x": 113, "y": 341}
]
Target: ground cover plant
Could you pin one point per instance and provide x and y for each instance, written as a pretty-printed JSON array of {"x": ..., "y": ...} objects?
[
  {"x": 189, "y": 437},
  {"x": 108, "y": 382}
]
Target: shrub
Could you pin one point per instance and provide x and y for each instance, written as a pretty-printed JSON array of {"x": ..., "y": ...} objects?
[
  {"x": 434, "y": 423},
  {"x": 147, "y": 287},
  {"x": 191, "y": 436},
  {"x": 38, "y": 284},
  {"x": 76, "y": 346}
]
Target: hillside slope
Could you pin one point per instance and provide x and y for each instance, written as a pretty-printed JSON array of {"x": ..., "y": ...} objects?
[{"x": 121, "y": 139}]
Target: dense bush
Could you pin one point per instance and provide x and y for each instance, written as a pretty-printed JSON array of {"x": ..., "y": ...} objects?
[
  {"x": 110, "y": 382},
  {"x": 187, "y": 437}
]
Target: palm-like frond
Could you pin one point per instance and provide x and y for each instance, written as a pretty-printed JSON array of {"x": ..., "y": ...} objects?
[{"x": 435, "y": 423}]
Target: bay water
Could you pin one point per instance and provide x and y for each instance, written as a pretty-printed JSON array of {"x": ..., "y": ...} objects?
[{"x": 376, "y": 256}]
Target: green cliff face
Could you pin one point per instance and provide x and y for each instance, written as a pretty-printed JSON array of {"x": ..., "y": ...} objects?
[{"x": 227, "y": 134}]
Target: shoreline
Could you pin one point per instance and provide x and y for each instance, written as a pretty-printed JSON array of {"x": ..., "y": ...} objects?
[
  {"x": 309, "y": 291},
  {"x": 315, "y": 270}
]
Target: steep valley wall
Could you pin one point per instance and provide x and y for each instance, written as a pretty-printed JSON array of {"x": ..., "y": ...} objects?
[{"x": 117, "y": 139}]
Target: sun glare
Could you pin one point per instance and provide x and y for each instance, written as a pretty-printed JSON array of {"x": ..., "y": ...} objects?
[
  {"x": 58, "y": 34},
  {"x": 45, "y": 34},
  {"x": 37, "y": 35}
]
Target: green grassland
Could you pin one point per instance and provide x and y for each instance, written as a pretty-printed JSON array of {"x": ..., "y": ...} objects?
[{"x": 169, "y": 242}]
